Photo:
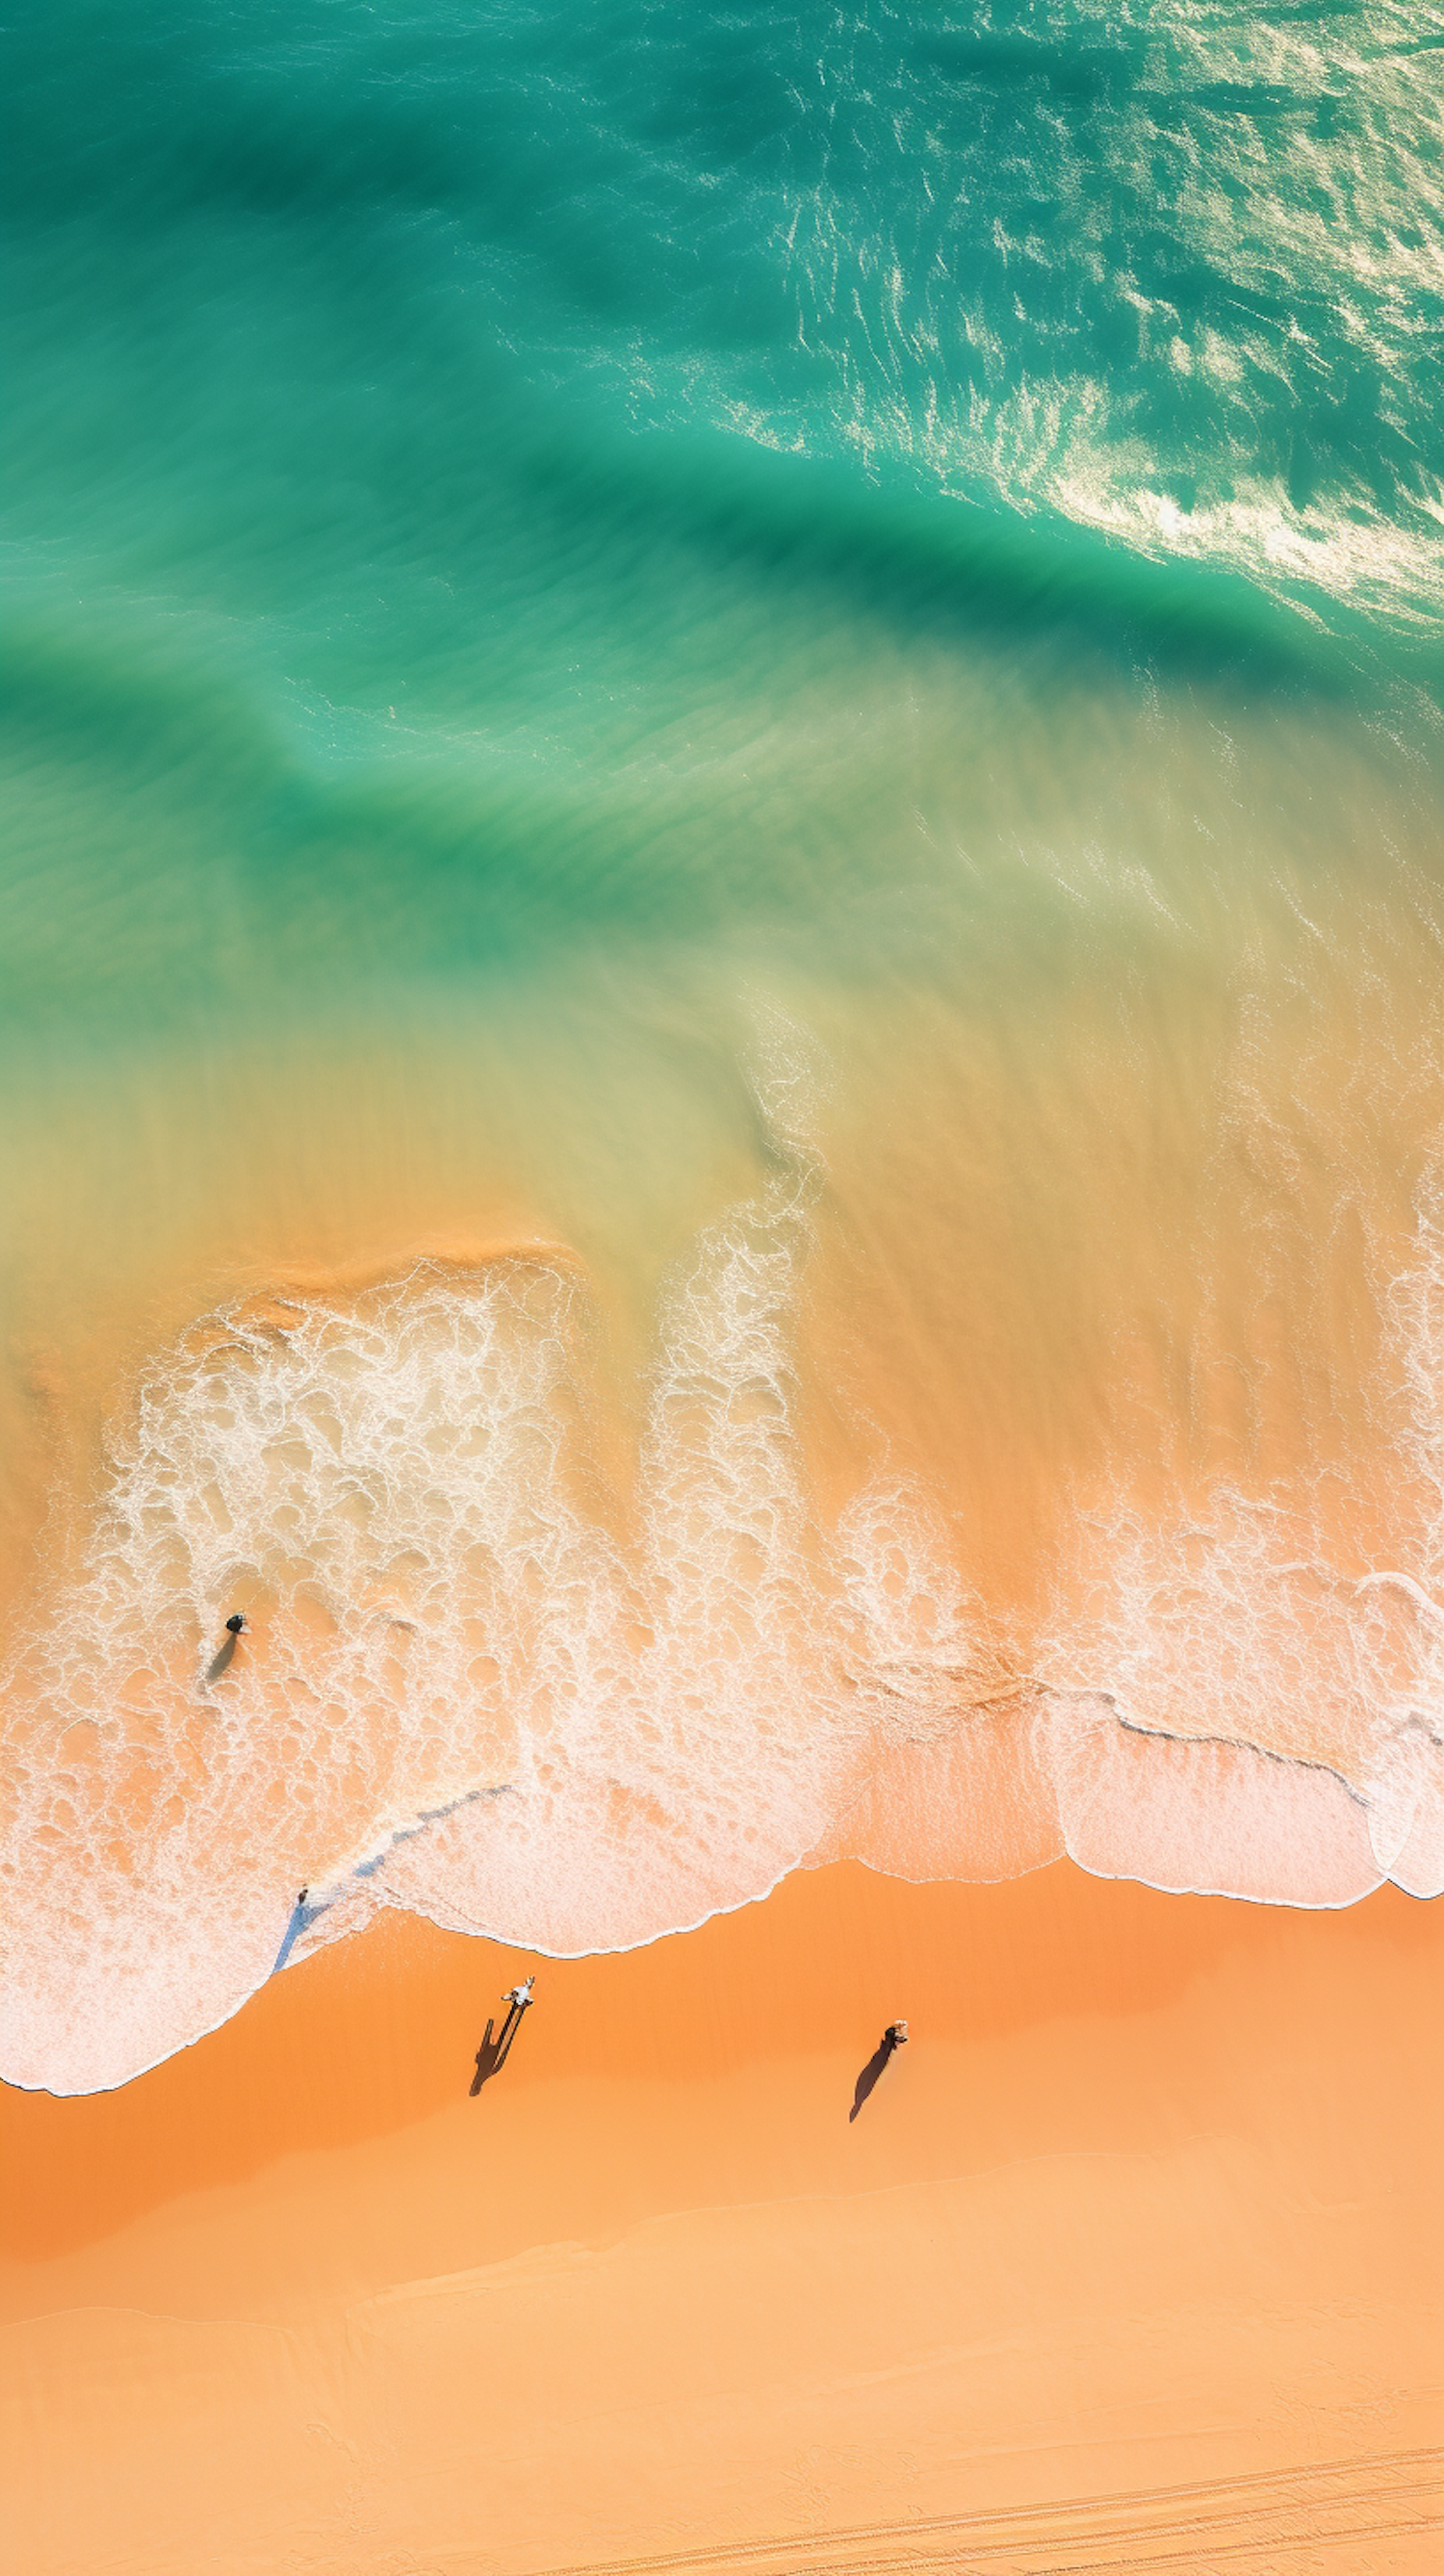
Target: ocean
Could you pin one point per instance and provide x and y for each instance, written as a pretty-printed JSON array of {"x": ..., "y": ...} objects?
[{"x": 721, "y": 1055}]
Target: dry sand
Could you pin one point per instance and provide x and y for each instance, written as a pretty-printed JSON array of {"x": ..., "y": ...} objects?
[{"x": 1149, "y": 2203}]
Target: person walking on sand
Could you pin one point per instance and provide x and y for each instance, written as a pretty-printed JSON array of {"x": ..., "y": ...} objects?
[
  {"x": 893, "y": 2038},
  {"x": 491, "y": 2057}
]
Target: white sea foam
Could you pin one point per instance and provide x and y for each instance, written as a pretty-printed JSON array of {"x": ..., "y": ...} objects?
[
  {"x": 400, "y": 1485},
  {"x": 482, "y": 1686}
]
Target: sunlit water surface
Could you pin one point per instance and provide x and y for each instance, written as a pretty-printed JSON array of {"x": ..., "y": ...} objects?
[{"x": 721, "y": 1059}]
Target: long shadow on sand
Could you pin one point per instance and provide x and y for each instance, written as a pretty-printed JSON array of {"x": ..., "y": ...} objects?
[
  {"x": 885, "y": 2048},
  {"x": 492, "y": 2055}
]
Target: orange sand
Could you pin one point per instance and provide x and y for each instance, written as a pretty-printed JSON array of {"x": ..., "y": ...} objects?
[{"x": 1150, "y": 2202}]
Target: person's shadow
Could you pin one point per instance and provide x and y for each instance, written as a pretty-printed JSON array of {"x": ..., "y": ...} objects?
[
  {"x": 492, "y": 2055},
  {"x": 223, "y": 1661},
  {"x": 302, "y": 1917},
  {"x": 888, "y": 2043}
]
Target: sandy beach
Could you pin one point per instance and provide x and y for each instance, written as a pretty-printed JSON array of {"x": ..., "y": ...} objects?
[
  {"x": 1132, "y": 2256},
  {"x": 722, "y": 932}
]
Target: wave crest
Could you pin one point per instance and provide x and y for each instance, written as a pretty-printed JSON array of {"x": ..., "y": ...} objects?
[{"x": 485, "y": 1683}]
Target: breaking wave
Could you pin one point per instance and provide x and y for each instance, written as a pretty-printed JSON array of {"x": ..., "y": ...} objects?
[{"x": 491, "y": 1681}]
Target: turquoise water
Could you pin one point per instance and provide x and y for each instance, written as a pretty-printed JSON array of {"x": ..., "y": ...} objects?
[
  {"x": 577, "y": 382},
  {"x": 617, "y": 616}
]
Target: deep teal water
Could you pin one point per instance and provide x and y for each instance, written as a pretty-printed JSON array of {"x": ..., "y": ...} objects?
[{"x": 592, "y": 385}]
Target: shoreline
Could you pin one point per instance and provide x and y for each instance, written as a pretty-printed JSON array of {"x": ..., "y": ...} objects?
[
  {"x": 868, "y": 1831},
  {"x": 1148, "y": 2200},
  {"x": 401, "y": 1960}
]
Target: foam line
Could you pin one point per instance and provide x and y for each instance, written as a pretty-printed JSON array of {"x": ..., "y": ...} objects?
[{"x": 589, "y": 1741}]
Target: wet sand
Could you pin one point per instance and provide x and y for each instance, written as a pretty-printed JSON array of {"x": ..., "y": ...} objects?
[{"x": 1148, "y": 2203}]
